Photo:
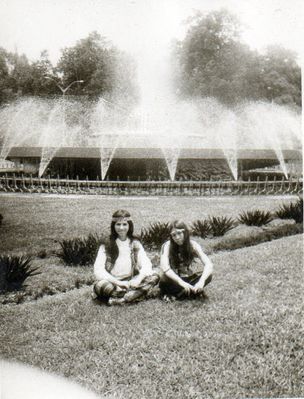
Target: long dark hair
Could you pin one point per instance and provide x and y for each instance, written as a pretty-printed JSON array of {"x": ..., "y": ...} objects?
[
  {"x": 111, "y": 247},
  {"x": 180, "y": 253}
]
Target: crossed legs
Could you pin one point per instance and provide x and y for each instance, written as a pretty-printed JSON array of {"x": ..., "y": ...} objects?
[
  {"x": 171, "y": 288},
  {"x": 112, "y": 294}
]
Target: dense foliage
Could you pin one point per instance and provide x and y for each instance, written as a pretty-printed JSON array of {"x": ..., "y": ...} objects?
[
  {"x": 155, "y": 234},
  {"x": 220, "y": 225},
  {"x": 14, "y": 270},
  {"x": 80, "y": 251},
  {"x": 255, "y": 218},
  {"x": 214, "y": 62},
  {"x": 103, "y": 69},
  {"x": 211, "y": 61},
  {"x": 294, "y": 210},
  {"x": 201, "y": 228}
]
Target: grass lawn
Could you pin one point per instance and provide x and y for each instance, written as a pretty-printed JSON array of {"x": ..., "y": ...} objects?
[
  {"x": 36, "y": 222},
  {"x": 244, "y": 341}
]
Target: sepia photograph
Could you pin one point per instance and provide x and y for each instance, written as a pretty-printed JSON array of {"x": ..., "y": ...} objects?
[{"x": 151, "y": 199}]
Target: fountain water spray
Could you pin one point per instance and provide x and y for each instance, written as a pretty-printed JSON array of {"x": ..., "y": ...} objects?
[
  {"x": 167, "y": 125},
  {"x": 227, "y": 137},
  {"x": 161, "y": 117},
  {"x": 171, "y": 150},
  {"x": 271, "y": 126},
  {"x": 165, "y": 122},
  {"x": 106, "y": 154},
  {"x": 53, "y": 135},
  {"x": 18, "y": 124}
]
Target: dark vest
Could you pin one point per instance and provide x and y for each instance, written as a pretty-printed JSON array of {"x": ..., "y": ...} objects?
[
  {"x": 186, "y": 268},
  {"x": 135, "y": 247}
]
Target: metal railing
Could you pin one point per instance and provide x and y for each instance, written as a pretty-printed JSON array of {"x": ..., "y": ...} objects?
[{"x": 162, "y": 188}]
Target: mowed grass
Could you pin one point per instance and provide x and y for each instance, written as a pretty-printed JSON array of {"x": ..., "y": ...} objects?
[
  {"x": 36, "y": 222},
  {"x": 244, "y": 341}
]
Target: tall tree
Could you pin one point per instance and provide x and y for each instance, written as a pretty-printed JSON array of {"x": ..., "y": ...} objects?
[
  {"x": 92, "y": 60},
  {"x": 15, "y": 75},
  {"x": 281, "y": 77},
  {"x": 20, "y": 74},
  {"x": 4, "y": 74},
  {"x": 211, "y": 57},
  {"x": 40, "y": 69},
  {"x": 214, "y": 62}
]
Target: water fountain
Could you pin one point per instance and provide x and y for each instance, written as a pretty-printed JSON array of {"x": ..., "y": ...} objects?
[
  {"x": 18, "y": 122},
  {"x": 52, "y": 124},
  {"x": 272, "y": 127},
  {"x": 161, "y": 120}
]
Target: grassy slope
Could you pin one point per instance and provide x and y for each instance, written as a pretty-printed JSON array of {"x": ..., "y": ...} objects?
[
  {"x": 243, "y": 342},
  {"x": 32, "y": 223}
]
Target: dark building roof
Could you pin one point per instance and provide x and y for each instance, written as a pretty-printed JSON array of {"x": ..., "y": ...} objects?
[{"x": 156, "y": 153}]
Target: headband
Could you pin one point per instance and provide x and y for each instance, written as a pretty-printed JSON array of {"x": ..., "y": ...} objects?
[
  {"x": 123, "y": 218},
  {"x": 176, "y": 230}
]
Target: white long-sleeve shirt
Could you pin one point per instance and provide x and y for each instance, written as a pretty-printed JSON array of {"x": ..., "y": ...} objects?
[
  {"x": 122, "y": 268},
  {"x": 199, "y": 253}
]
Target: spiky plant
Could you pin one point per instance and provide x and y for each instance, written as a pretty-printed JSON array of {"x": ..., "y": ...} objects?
[
  {"x": 201, "y": 228},
  {"x": 14, "y": 270},
  {"x": 220, "y": 225},
  {"x": 80, "y": 251},
  {"x": 255, "y": 218},
  {"x": 155, "y": 235},
  {"x": 294, "y": 210}
]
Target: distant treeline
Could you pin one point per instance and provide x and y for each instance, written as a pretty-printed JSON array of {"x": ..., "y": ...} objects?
[
  {"x": 103, "y": 69},
  {"x": 211, "y": 61}
]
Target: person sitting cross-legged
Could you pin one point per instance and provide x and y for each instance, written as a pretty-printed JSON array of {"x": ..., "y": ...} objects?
[
  {"x": 185, "y": 268},
  {"x": 122, "y": 268}
]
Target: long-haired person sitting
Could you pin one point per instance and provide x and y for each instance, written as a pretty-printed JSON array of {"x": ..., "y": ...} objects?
[
  {"x": 122, "y": 269},
  {"x": 186, "y": 269}
]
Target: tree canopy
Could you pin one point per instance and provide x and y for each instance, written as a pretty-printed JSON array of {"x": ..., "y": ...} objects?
[
  {"x": 91, "y": 60},
  {"x": 103, "y": 69},
  {"x": 213, "y": 61}
]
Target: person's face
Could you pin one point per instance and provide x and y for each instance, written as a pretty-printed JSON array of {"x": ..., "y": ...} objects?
[
  {"x": 178, "y": 236},
  {"x": 121, "y": 228}
]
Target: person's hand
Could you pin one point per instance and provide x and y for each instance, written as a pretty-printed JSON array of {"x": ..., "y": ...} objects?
[
  {"x": 199, "y": 287},
  {"x": 133, "y": 284},
  {"x": 188, "y": 288},
  {"x": 124, "y": 284}
]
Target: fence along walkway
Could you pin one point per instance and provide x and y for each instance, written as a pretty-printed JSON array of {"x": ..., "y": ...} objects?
[{"x": 166, "y": 188}]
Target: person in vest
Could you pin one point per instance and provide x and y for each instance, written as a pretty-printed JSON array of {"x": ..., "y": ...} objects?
[
  {"x": 185, "y": 268},
  {"x": 122, "y": 269}
]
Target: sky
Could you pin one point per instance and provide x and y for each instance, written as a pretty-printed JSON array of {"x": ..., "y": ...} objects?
[{"x": 30, "y": 26}]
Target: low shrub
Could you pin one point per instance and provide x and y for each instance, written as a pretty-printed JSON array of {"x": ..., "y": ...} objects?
[
  {"x": 255, "y": 218},
  {"x": 201, "y": 228},
  {"x": 80, "y": 251},
  {"x": 291, "y": 211},
  {"x": 220, "y": 225},
  {"x": 155, "y": 235},
  {"x": 229, "y": 244},
  {"x": 14, "y": 270}
]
